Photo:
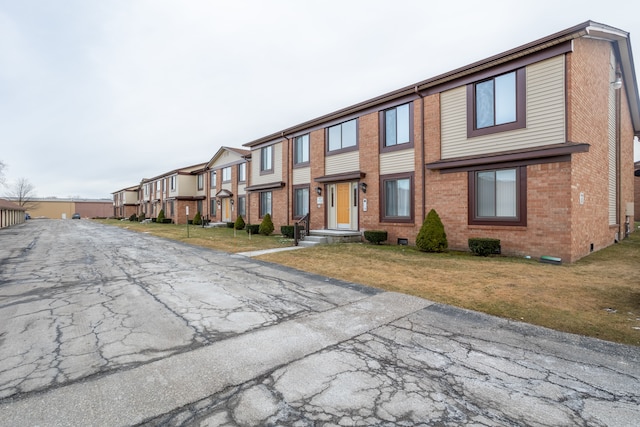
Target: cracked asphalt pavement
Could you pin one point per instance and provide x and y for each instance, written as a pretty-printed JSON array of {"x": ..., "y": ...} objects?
[{"x": 103, "y": 326}]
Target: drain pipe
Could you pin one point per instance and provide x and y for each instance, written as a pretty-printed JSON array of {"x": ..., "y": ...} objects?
[
  {"x": 422, "y": 151},
  {"x": 288, "y": 175}
]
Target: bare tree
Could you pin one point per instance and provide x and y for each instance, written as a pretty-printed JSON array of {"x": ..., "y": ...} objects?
[{"x": 23, "y": 193}]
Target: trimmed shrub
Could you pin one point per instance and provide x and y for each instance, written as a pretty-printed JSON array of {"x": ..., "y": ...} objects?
[
  {"x": 431, "y": 237},
  {"x": 239, "y": 225},
  {"x": 287, "y": 231},
  {"x": 133, "y": 218},
  {"x": 252, "y": 228},
  {"x": 197, "y": 219},
  {"x": 484, "y": 246},
  {"x": 141, "y": 217},
  {"x": 160, "y": 218},
  {"x": 266, "y": 226},
  {"x": 375, "y": 236},
  {"x": 167, "y": 221}
]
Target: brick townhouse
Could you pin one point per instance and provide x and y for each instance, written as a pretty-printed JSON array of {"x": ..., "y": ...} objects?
[
  {"x": 533, "y": 146},
  {"x": 228, "y": 175}
]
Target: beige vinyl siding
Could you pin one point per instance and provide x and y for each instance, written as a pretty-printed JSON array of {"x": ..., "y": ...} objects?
[
  {"x": 186, "y": 185},
  {"x": 397, "y": 162},
  {"x": 227, "y": 186},
  {"x": 342, "y": 163},
  {"x": 241, "y": 190},
  {"x": 545, "y": 116},
  {"x": 256, "y": 178},
  {"x": 613, "y": 197},
  {"x": 301, "y": 176}
]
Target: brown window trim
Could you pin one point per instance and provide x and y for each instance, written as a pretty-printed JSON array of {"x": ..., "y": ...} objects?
[
  {"x": 383, "y": 134},
  {"x": 293, "y": 199},
  {"x": 245, "y": 173},
  {"x": 301, "y": 164},
  {"x": 394, "y": 177},
  {"x": 273, "y": 154},
  {"x": 521, "y": 108},
  {"x": 260, "y": 216},
  {"x": 521, "y": 186},
  {"x": 341, "y": 150}
]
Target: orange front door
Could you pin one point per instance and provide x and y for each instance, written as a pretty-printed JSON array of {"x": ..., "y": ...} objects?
[{"x": 343, "y": 211}]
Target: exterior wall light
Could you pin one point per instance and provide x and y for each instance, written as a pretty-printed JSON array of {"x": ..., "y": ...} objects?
[
  {"x": 617, "y": 84},
  {"x": 319, "y": 191},
  {"x": 218, "y": 203},
  {"x": 231, "y": 202},
  {"x": 363, "y": 187}
]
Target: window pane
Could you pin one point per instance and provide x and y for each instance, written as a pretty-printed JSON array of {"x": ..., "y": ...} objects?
[
  {"x": 485, "y": 194},
  {"x": 404, "y": 197},
  {"x": 505, "y": 88},
  {"x": 335, "y": 138},
  {"x": 302, "y": 149},
  {"x": 301, "y": 201},
  {"x": 391, "y": 198},
  {"x": 390, "y": 128},
  {"x": 403, "y": 124},
  {"x": 349, "y": 134},
  {"x": 484, "y": 104},
  {"x": 506, "y": 193}
]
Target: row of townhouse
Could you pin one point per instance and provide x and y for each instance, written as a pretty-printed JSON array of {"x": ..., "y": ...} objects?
[{"x": 533, "y": 146}]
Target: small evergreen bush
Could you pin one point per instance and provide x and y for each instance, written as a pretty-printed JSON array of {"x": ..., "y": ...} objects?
[
  {"x": 160, "y": 218},
  {"x": 230, "y": 224},
  {"x": 375, "y": 236},
  {"x": 252, "y": 228},
  {"x": 133, "y": 218},
  {"x": 197, "y": 219},
  {"x": 266, "y": 226},
  {"x": 287, "y": 231},
  {"x": 141, "y": 217},
  {"x": 484, "y": 246},
  {"x": 431, "y": 237},
  {"x": 239, "y": 225}
]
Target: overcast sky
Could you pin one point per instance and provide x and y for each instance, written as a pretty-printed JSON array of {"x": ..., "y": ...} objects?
[{"x": 96, "y": 95}]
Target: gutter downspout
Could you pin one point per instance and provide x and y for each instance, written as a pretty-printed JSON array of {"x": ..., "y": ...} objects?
[
  {"x": 422, "y": 153},
  {"x": 289, "y": 175}
]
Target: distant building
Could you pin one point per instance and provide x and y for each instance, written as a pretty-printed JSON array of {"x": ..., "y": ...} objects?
[
  {"x": 61, "y": 208},
  {"x": 10, "y": 213}
]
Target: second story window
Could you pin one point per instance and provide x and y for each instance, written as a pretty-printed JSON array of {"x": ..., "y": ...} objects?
[
  {"x": 200, "y": 181},
  {"x": 397, "y": 126},
  {"x": 172, "y": 183},
  {"x": 266, "y": 159},
  {"x": 497, "y": 104},
  {"x": 242, "y": 172},
  {"x": 342, "y": 136},
  {"x": 213, "y": 179},
  {"x": 226, "y": 174},
  {"x": 301, "y": 150}
]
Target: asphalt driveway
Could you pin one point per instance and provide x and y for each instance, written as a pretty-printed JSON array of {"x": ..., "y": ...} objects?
[{"x": 103, "y": 326}]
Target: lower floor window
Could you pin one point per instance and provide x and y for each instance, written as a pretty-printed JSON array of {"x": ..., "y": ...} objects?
[
  {"x": 300, "y": 202},
  {"x": 199, "y": 206},
  {"x": 397, "y": 198},
  {"x": 242, "y": 206},
  {"x": 498, "y": 196},
  {"x": 265, "y": 203},
  {"x": 214, "y": 208}
]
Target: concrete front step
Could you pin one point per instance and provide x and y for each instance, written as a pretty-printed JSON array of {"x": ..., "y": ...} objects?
[{"x": 323, "y": 237}]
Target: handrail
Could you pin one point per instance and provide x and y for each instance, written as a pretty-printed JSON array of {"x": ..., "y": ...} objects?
[{"x": 297, "y": 231}]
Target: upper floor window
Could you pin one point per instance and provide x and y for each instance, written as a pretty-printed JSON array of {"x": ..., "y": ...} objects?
[
  {"x": 498, "y": 196},
  {"x": 497, "y": 104},
  {"x": 301, "y": 150},
  {"x": 343, "y": 136},
  {"x": 226, "y": 174},
  {"x": 397, "y": 126},
  {"x": 213, "y": 179},
  {"x": 172, "y": 183},
  {"x": 200, "y": 181},
  {"x": 242, "y": 172},
  {"x": 266, "y": 159}
]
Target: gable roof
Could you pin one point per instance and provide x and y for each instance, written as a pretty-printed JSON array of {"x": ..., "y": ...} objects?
[
  {"x": 9, "y": 205},
  {"x": 588, "y": 28},
  {"x": 238, "y": 151}
]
